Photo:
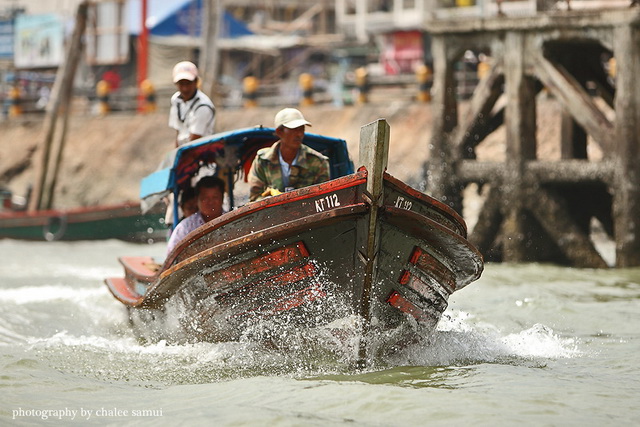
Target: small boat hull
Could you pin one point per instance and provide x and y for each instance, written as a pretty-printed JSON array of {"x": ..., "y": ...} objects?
[
  {"x": 298, "y": 258},
  {"x": 124, "y": 221},
  {"x": 362, "y": 246}
]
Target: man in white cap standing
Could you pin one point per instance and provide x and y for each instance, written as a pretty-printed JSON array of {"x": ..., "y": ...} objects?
[
  {"x": 192, "y": 113},
  {"x": 288, "y": 164}
]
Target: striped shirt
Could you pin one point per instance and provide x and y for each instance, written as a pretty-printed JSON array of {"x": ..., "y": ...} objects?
[{"x": 185, "y": 227}]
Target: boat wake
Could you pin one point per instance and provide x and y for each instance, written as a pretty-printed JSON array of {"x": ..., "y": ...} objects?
[
  {"x": 295, "y": 353},
  {"x": 459, "y": 341},
  {"x": 80, "y": 330}
]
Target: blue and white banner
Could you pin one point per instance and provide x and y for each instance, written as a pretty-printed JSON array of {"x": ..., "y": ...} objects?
[
  {"x": 6, "y": 38},
  {"x": 39, "y": 41}
]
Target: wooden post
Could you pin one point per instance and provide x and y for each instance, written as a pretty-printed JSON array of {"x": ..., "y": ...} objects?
[
  {"x": 575, "y": 99},
  {"x": 211, "y": 23},
  {"x": 520, "y": 121},
  {"x": 143, "y": 55},
  {"x": 627, "y": 142},
  {"x": 440, "y": 173},
  {"x": 477, "y": 121},
  {"x": 64, "y": 81},
  {"x": 573, "y": 139},
  {"x": 49, "y": 192},
  {"x": 374, "y": 156}
]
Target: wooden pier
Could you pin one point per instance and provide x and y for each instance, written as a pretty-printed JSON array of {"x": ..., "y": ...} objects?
[{"x": 542, "y": 211}]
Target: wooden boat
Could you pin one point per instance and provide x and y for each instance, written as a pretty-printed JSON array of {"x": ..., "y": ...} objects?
[
  {"x": 123, "y": 221},
  {"x": 363, "y": 244}
]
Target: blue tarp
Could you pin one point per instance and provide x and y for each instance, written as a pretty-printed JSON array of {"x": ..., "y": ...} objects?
[
  {"x": 186, "y": 20},
  {"x": 183, "y": 162}
]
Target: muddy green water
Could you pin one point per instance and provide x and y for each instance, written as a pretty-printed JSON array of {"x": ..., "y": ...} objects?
[{"x": 525, "y": 345}]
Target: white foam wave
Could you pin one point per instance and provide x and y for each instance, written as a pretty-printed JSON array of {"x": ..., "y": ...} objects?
[
  {"x": 36, "y": 294},
  {"x": 541, "y": 341},
  {"x": 60, "y": 270},
  {"x": 9, "y": 337},
  {"x": 126, "y": 345},
  {"x": 459, "y": 337}
]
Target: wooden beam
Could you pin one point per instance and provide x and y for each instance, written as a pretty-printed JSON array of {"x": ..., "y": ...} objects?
[
  {"x": 520, "y": 122},
  {"x": 440, "y": 170},
  {"x": 374, "y": 155},
  {"x": 209, "y": 50},
  {"x": 484, "y": 97},
  {"x": 627, "y": 143},
  {"x": 554, "y": 217},
  {"x": 541, "y": 172},
  {"x": 570, "y": 172},
  {"x": 484, "y": 233},
  {"x": 573, "y": 139},
  {"x": 62, "y": 85},
  {"x": 575, "y": 100}
]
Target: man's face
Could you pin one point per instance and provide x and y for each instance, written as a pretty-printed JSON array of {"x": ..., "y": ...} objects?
[
  {"x": 290, "y": 138},
  {"x": 187, "y": 88},
  {"x": 210, "y": 203}
]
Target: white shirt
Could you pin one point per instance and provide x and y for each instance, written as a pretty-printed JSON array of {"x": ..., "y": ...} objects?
[{"x": 195, "y": 116}]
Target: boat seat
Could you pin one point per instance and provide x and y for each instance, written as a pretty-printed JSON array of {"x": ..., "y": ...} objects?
[{"x": 142, "y": 268}]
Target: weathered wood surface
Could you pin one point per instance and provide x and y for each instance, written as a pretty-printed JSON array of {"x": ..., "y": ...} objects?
[
  {"x": 60, "y": 96},
  {"x": 564, "y": 51},
  {"x": 374, "y": 156},
  {"x": 576, "y": 100},
  {"x": 627, "y": 140}
]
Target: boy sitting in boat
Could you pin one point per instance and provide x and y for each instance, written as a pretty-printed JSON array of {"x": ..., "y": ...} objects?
[
  {"x": 287, "y": 164},
  {"x": 209, "y": 195}
]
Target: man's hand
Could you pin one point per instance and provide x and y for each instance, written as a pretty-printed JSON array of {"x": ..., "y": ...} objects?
[{"x": 270, "y": 192}]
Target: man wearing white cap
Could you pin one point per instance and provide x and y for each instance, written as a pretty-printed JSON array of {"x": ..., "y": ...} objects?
[
  {"x": 192, "y": 113},
  {"x": 288, "y": 164}
]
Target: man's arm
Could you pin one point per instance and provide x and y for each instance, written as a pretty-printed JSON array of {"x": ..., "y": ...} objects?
[
  {"x": 257, "y": 181},
  {"x": 178, "y": 233},
  {"x": 323, "y": 172}
]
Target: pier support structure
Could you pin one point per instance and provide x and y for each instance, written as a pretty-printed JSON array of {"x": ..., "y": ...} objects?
[{"x": 535, "y": 210}]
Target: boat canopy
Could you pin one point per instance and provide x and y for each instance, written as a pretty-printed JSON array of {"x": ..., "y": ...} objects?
[{"x": 229, "y": 154}]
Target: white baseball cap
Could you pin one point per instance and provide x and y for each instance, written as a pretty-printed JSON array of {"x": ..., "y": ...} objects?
[
  {"x": 185, "y": 70},
  {"x": 290, "y": 118}
]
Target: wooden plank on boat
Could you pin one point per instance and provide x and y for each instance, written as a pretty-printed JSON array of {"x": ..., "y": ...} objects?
[
  {"x": 374, "y": 156},
  {"x": 142, "y": 268},
  {"x": 121, "y": 289}
]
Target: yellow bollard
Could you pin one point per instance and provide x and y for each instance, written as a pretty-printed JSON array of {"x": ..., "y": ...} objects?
[
  {"x": 423, "y": 74},
  {"x": 483, "y": 69},
  {"x": 102, "y": 91},
  {"x": 250, "y": 85},
  {"x": 612, "y": 67},
  {"x": 149, "y": 96},
  {"x": 306, "y": 84},
  {"x": 362, "y": 82},
  {"x": 15, "y": 109}
]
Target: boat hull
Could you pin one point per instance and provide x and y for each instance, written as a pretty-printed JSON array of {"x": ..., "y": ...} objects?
[
  {"x": 300, "y": 259},
  {"x": 123, "y": 221}
]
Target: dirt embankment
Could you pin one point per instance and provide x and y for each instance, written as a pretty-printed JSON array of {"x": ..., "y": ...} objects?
[{"x": 105, "y": 157}]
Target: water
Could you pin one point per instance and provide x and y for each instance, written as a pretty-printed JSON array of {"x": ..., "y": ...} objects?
[{"x": 526, "y": 344}]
